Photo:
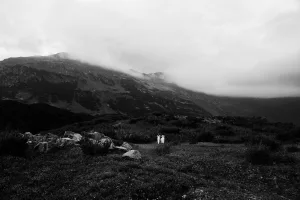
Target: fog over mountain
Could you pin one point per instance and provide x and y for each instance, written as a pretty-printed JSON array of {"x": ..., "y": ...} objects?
[{"x": 233, "y": 47}]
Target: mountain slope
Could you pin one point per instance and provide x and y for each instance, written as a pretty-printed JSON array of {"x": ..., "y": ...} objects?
[
  {"x": 81, "y": 87},
  {"x": 84, "y": 88},
  {"x": 34, "y": 118}
]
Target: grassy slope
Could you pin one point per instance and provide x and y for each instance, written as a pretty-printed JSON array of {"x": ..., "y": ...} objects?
[{"x": 202, "y": 172}]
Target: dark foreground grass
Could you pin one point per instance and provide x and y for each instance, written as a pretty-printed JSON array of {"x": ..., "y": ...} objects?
[{"x": 187, "y": 172}]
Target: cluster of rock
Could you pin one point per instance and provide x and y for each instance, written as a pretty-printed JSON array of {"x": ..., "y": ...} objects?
[
  {"x": 107, "y": 143},
  {"x": 44, "y": 143}
]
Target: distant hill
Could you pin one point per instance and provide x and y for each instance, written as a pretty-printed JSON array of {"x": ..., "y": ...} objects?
[
  {"x": 37, "y": 117},
  {"x": 83, "y": 88}
]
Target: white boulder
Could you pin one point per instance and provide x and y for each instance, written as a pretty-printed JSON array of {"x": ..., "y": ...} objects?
[{"x": 134, "y": 154}]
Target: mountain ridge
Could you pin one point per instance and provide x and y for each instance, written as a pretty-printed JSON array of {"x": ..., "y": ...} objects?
[{"x": 66, "y": 83}]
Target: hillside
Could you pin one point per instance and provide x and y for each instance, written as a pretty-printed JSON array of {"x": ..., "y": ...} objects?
[
  {"x": 36, "y": 117},
  {"x": 83, "y": 88}
]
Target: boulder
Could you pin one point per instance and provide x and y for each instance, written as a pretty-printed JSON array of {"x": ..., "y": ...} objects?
[
  {"x": 28, "y": 135},
  {"x": 105, "y": 142},
  {"x": 42, "y": 147},
  {"x": 134, "y": 154},
  {"x": 51, "y": 137},
  {"x": 74, "y": 136},
  {"x": 112, "y": 146},
  {"x": 127, "y": 146},
  {"x": 77, "y": 137},
  {"x": 38, "y": 138},
  {"x": 96, "y": 135},
  {"x": 120, "y": 148},
  {"x": 65, "y": 141}
]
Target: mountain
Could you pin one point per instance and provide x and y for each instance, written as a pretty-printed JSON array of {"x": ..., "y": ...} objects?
[{"x": 62, "y": 82}]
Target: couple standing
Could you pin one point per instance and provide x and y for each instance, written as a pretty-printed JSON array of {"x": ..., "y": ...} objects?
[{"x": 160, "y": 139}]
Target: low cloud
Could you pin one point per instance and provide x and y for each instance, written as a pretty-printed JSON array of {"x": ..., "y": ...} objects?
[{"x": 237, "y": 47}]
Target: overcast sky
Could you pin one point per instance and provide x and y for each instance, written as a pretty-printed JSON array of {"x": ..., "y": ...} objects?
[{"x": 232, "y": 47}]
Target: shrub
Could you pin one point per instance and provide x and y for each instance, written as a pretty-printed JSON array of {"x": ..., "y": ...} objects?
[
  {"x": 258, "y": 155},
  {"x": 284, "y": 137},
  {"x": 176, "y": 122},
  {"x": 292, "y": 148},
  {"x": 205, "y": 137},
  {"x": 281, "y": 157},
  {"x": 295, "y": 132},
  {"x": 175, "y": 142},
  {"x": 135, "y": 120},
  {"x": 117, "y": 142},
  {"x": 13, "y": 144},
  {"x": 90, "y": 148},
  {"x": 174, "y": 138},
  {"x": 169, "y": 130},
  {"x": 261, "y": 155},
  {"x": 163, "y": 149},
  {"x": 193, "y": 138},
  {"x": 290, "y": 135},
  {"x": 153, "y": 120},
  {"x": 270, "y": 143},
  {"x": 228, "y": 140},
  {"x": 139, "y": 138},
  {"x": 224, "y": 131},
  {"x": 107, "y": 131}
]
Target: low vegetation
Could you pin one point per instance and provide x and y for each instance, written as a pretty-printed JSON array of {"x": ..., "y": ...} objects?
[
  {"x": 11, "y": 143},
  {"x": 220, "y": 158},
  {"x": 163, "y": 149},
  {"x": 89, "y": 148}
]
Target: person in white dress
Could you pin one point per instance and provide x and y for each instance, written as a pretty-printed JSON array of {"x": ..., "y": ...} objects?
[
  {"x": 162, "y": 140},
  {"x": 158, "y": 139}
]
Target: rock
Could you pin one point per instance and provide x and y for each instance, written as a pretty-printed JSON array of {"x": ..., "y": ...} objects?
[
  {"x": 121, "y": 148},
  {"x": 96, "y": 135},
  {"x": 93, "y": 141},
  {"x": 112, "y": 146},
  {"x": 38, "y": 138},
  {"x": 105, "y": 142},
  {"x": 127, "y": 146},
  {"x": 28, "y": 135},
  {"x": 65, "y": 141},
  {"x": 77, "y": 137},
  {"x": 134, "y": 154},
  {"x": 74, "y": 136},
  {"x": 42, "y": 147},
  {"x": 49, "y": 137}
]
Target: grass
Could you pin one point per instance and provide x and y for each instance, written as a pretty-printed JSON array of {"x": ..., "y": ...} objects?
[
  {"x": 163, "y": 149},
  {"x": 248, "y": 164},
  {"x": 192, "y": 170},
  {"x": 12, "y": 143}
]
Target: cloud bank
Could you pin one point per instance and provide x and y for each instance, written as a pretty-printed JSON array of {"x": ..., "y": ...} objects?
[{"x": 233, "y": 47}]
